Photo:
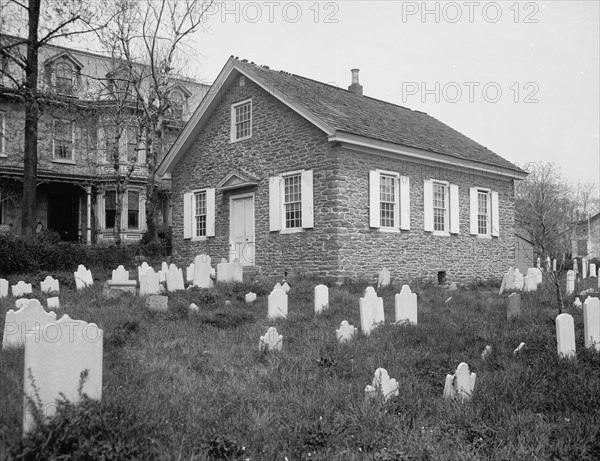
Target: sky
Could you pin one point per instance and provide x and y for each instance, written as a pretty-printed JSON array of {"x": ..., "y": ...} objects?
[{"x": 521, "y": 78}]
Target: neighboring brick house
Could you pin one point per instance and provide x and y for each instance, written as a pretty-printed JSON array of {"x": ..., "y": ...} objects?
[
  {"x": 285, "y": 173},
  {"x": 76, "y": 192}
]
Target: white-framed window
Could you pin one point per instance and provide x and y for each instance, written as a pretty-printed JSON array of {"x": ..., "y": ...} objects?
[
  {"x": 291, "y": 201},
  {"x": 132, "y": 213},
  {"x": 64, "y": 78},
  {"x": 441, "y": 207},
  {"x": 133, "y": 209},
  {"x": 2, "y": 134},
  {"x": 199, "y": 214},
  {"x": 241, "y": 120},
  {"x": 389, "y": 200},
  {"x": 63, "y": 140},
  {"x": 177, "y": 100},
  {"x": 132, "y": 140},
  {"x": 110, "y": 209},
  {"x": 484, "y": 212}
]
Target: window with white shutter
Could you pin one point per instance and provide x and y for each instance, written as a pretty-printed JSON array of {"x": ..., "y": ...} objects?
[
  {"x": 389, "y": 200},
  {"x": 484, "y": 212},
  {"x": 441, "y": 210},
  {"x": 291, "y": 201},
  {"x": 199, "y": 214}
]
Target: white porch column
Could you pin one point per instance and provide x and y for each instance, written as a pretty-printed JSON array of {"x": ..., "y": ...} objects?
[{"x": 88, "y": 235}]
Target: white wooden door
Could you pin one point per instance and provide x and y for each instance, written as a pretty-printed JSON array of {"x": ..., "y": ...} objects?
[{"x": 241, "y": 229}]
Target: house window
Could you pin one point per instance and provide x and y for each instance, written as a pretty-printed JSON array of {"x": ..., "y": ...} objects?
[
  {"x": 387, "y": 200},
  {"x": 2, "y": 135},
  {"x": 132, "y": 144},
  {"x": 241, "y": 121},
  {"x": 292, "y": 201},
  {"x": 110, "y": 209},
  {"x": 133, "y": 210},
  {"x": 63, "y": 140},
  {"x": 200, "y": 214},
  {"x": 63, "y": 78},
  {"x": 483, "y": 212},
  {"x": 440, "y": 207},
  {"x": 177, "y": 104}
]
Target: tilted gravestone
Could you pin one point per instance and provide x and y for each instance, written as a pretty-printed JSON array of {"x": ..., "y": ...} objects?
[
  {"x": 519, "y": 348},
  {"x": 56, "y": 356},
  {"x": 158, "y": 303},
  {"x": 53, "y": 303},
  {"x": 278, "y": 303},
  {"x": 531, "y": 280},
  {"x": 49, "y": 285},
  {"x": 175, "y": 279},
  {"x": 591, "y": 322},
  {"x": 202, "y": 271},
  {"x": 25, "y": 320},
  {"x": 229, "y": 272},
  {"x": 345, "y": 332},
  {"x": 461, "y": 384},
  {"x": 508, "y": 281},
  {"x": 371, "y": 311},
  {"x": 271, "y": 340},
  {"x": 382, "y": 387},
  {"x": 519, "y": 280},
  {"x": 565, "y": 336},
  {"x": 83, "y": 277},
  {"x": 405, "y": 304},
  {"x": 321, "y": 298},
  {"x": 514, "y": 306},
  {"x": 570, "y": 282},
  {"x": 250, "y": 297},
  {"x": 21, "y": 289}
]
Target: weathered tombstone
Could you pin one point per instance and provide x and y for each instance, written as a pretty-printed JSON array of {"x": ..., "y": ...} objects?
[
  {"x": 383, "y": 387},
  {"x": 514, "y": 306},
  {"x": 584, "y": 268},
  {"x": 519, "y": 281},
  {"x": 202, "y": 272},
  {"x": 405, "y": 305},
  {"x": 271, "y": 340},
  {"x": 345, "y": 332},
  {"x": 577, "y": 302},
  {"x": 192, "y": 308},
  {"x": 575, "y": 266},
  {"x": 162, "y": 273},
  {"x": 285, "y": 287},
  {"x": 371, "y": 311},
  {"x": 189, "y": 273},
  {"x": 539, "y": 263},
  {"x": 321, "y": 298},
  {"x": 83, "y": 277},
  {"x": 143, "y": 269},
  {"x": 229, "y": 272},
  {"x": 157, "y": 303},
  {"x": 453, "y": 287},
  {"x": 554, "y": 265},
  {"x": 277, "y": 303},
  {"x": 591, "y": 322},
  {"x": 250, "y": 297},
  {"x": 570, "y": 282},
  {"x": 120, "y": 275},
  {"x": 531, "y": 280},
  {"x": 149, "y": 284},
  {"x": 3, "y": 288},
  {"x": 460, "y": 384},
  {"x": 486, "y": 352},
  {"x": 565, "y": 336},
  {"x": 19, "y": 303},
  {"x": 25, "y": 320},
  {"x": 49, "y": 285},
  {"x": 175, "y": 278},
  {"x": 519, "y": 348},
  {"x": 56, "y": 357},
  {"x": 384, "y": 278},
  {"x": 508, "y": 281},
  {"x": 53, "y": 303},
  {"x": 592, "y": 269},
  {"x": 539, "y": 277},
  {"x": 119, "y": 283},
  {"x": 21, "y": 289},
  {"x": 548, "y": 266}
]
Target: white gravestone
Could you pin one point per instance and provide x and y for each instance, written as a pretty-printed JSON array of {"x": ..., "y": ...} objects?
[
  {"x": 285, "y": 287},
  {"x": 321, "y": 298},
  {"x": 142, "y": 270},
  {"x": 149, "y": 284},
  {"x": 539, "y": 277},
  {"x": 508, "y": 281},
  {"x": 405, "y": 304},
  {"x": 49, "y": 285},
  {"x": 193, "y": 308},
  {"x": 519, "y": 348},
  {"x": 570, "y": 282},
  {"x": 486, "y": 352},
  {"x": 53, "y": 303},
  {"x": 531, "y": 282},
  {"x": 383, "y": 387},
  {"x": 460, "y": 384},
  {"x": 539, "y": 263},
  {"x": 548, "y": 266},
  {"x": 250, "y": 297},
  {"x": 55, "y": 358},
  {"x": 202, "y": 272},
  {"x": 25, "y": 320},
  {"x": 577, "y": 302},
  {"x": 162, "y": 273},
  {"x": 591, "y": 322},
  {"x": 120, "y": 283},
  {"x": 229, "y": 272},
  {"x": 519, "y": 281},
  {"x": 384, "y": 278},
  {"x": 3, "y": 288},
  {"x": 565, "y": 336},
  {"x": 120, "y": 275},
  {"x": 189, "y": 273},
  {"x": 83, "y": 277},
  {"x": 514, "y": 306},
  {"x": 592, "y": 269},
  {"x": 21, "y": 289},
  {"x": 271, "y": 341},
  {"x": 175, "y": 278},
  {"x": 19, "y": 303},
  {"x": 453, "y": 287},
  {"x": 371, "y": 311},
  {"x": 277, "y": 303},
  {"x": 575, "y": 266},
  {"x": 584, "y": 268},
  {"x": 554, "y": 265},
  {"x": 345, "y": 332}
]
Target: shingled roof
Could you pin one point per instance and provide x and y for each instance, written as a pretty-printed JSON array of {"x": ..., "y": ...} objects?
[{"x": 361, "y": 115}]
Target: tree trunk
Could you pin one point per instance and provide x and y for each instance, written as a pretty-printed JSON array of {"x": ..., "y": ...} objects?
[
  {"x": 29, "y": 210},
  {"x": 151, "y": 194},
  {"x": 118, "y": 213}
]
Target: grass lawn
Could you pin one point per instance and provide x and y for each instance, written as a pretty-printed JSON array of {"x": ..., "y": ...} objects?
[{"x": 181, "y": 386}]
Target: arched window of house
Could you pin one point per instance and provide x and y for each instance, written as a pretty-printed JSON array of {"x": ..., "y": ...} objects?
[
  {"x": 64, "y": 78},
  {"x": 177, "y": 100}
]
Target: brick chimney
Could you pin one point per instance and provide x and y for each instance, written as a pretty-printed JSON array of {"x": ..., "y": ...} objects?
[{"x": 356, "y": 87}]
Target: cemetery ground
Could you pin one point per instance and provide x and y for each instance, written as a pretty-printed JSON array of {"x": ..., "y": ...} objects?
[{"x": 194, "y": 386}]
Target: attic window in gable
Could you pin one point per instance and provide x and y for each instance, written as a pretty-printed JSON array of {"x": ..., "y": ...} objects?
[
  {"x": 61, "y": 76},
  {"x": 241, "y": 121},
  {"x": 177, "y": 100}
]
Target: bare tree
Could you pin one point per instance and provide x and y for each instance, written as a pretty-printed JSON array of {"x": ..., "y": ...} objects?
[{"x": 151, "y": 37}]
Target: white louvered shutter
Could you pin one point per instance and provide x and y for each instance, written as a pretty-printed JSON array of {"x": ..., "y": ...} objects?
[
  {"x": 495, "y": 215},
  {"x": 308, "y": 219},
  {"x": 188, "y": 202},
  {"x": 473, "y": 209},
  {"x": 374, "y": 197},
  {"x": 210, "y": 212},
  {"x": 454, "y": 210},
  {"x": 404, "y": 202},
  {"x": 428, "y": 205},
  {"x": 274, "y": 203}
]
